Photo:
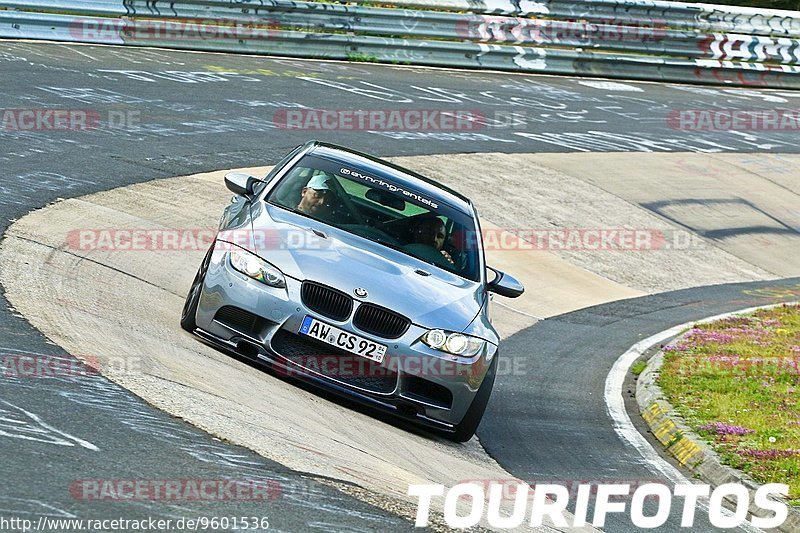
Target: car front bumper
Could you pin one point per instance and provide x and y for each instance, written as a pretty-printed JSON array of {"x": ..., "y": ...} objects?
[{"x": 246, "y": 317}]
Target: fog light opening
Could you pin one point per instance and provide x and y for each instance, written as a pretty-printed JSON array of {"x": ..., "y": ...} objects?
[
  {"x": 408, "y": 409},
  {"x": 248, "y": 348}
]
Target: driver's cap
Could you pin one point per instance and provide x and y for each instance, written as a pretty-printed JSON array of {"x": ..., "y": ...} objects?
[{"x": 319, "y": 183}]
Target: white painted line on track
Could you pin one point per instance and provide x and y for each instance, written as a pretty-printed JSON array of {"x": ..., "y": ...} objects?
[
  {"x": 79, "y": 53},
  {"x": 515, "y": 310},
  {"x": 610, "y": 86},
  {"x": 37, "y": 419},
  {"x": 615, "y": 402}
]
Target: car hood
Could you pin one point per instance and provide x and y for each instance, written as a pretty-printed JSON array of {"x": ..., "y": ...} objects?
[{"x": 305, "y": 249}]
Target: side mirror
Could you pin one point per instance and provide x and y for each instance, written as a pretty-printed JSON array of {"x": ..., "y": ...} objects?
[
  {"x": 504, "y": 285},
  {"x": 240, "y": 183}
]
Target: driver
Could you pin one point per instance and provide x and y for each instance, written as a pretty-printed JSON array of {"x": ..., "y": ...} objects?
[
  {"x": 431, "y": 231},
  {"x": 314, "y": 197}
]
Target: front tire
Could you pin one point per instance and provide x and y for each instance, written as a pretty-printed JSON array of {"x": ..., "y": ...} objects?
[
  {"x": 189, "y": 313},
  {"x": 469, "y": 424}
]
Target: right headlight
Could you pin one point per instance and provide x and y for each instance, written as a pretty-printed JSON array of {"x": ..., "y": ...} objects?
[
  {"x": 254, "y": 267},
  {"x": 453, "y": 343}
]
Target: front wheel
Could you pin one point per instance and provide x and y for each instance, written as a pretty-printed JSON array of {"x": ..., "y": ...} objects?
[
  {"x": 189, "y": 314},
  {"x": 469, "y": 424}
]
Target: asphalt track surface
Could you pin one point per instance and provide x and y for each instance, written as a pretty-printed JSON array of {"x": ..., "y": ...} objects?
[
  {"x": 549, "y": 423},
  {"x": 186, "y": 113}
]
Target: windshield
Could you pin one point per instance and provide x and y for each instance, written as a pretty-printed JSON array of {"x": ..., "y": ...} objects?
[{"x": 381, "y": 210}]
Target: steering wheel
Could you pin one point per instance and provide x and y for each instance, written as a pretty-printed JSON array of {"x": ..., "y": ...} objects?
[
  {"x": 339, "y": 212},
  {"x": 341, "y": 205}
]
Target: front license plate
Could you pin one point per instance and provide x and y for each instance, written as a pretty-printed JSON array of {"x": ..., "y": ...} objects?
[{"x": 342, "y": 339}]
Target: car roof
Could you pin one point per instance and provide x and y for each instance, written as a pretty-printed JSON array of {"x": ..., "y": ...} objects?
[{"x": 400, "y": 175}]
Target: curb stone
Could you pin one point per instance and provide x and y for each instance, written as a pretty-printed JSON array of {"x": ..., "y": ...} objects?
[{"x": 688, "y": 448}]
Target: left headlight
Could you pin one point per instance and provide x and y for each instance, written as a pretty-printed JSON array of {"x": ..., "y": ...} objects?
[
  {"x": 453, "y": 343},
  {"x": 254, "y": 267}
]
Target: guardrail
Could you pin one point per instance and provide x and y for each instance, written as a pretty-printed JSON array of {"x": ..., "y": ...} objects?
[
  {"x": 636, "y": 39},
  {"x": 702, "y": 17}
]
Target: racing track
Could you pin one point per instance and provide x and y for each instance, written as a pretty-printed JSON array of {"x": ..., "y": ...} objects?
[
  {"x": 563, "y": 435},
  {"x": 223, "y": 121}
]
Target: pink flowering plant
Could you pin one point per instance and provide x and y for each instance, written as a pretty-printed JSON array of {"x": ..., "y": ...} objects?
[{"x": 737, "y": 383}]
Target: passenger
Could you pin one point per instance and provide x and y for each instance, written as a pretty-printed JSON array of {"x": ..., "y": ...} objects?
[{"x": 431, "y": 231}]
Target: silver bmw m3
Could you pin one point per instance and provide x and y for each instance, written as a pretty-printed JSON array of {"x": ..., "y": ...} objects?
[{"x": 359, "y": 276}]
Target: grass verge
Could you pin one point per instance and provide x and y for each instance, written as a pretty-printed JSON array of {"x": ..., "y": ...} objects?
[{"x": 737, "y": 383}]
